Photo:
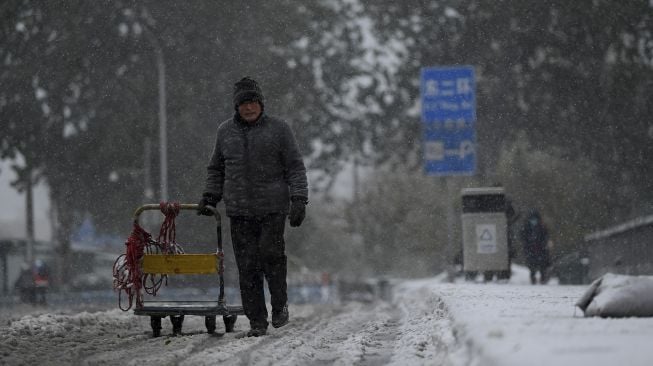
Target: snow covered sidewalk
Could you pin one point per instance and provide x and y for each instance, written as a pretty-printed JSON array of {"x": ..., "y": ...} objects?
[
  {"x": 427, "y": 323},
  {"x": 520, "y": 324}
]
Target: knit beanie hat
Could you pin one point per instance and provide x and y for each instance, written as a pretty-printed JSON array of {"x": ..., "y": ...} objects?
[{"x": 247, "y": 89}]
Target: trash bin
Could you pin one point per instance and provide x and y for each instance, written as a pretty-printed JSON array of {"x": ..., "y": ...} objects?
[{"x": 484, "y": 230}]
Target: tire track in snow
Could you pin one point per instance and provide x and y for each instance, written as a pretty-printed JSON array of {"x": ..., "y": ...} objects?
[
  {"x": 247, "y": 350},
  {"x": 353, "y": 334}
]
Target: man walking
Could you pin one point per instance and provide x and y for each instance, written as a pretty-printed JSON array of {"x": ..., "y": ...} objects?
[
  {"x": 535, "y": 239},
  {"x": 257, "y": 169}
]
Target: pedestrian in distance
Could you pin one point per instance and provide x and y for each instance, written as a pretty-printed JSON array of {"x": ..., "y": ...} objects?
[
  {"x": 24, "y": 285},
  {"x": 535, "y": 240},
  {"x": 257, "y": 170},
  {"x": 41, "y": 281}
]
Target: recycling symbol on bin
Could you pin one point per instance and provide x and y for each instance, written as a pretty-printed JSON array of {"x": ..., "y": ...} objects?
[{"x": 486, "y": 239}]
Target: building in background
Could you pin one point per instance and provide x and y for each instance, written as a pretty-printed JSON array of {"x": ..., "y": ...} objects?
[{"x": 626, "y": 248}]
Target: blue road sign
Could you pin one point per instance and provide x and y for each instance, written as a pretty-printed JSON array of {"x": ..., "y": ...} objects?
[
  {"x": 448, "y": 93},
  {"x": 448, "y": 96}
]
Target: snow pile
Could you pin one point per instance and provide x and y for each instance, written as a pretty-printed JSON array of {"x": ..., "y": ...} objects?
[
  {"x": 63, "y": 338},
  {"x": 58, "y": 326},
  {"x": 426, "y": 331},
  {"x": 618, "y": 296}
]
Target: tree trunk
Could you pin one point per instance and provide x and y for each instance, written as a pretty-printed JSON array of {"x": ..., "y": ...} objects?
[
  {"x": 29, "y": 214},
  {"x": 63, "y": 219}
]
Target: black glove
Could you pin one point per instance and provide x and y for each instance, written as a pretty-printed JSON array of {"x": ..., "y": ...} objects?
[
  {"x": 297, "y": 210},
  {"x": 208, "y": 199}
]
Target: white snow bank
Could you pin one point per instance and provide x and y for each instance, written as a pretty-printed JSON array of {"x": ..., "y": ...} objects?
[
  {"x": 506, "y": 324},
  {"x": 615, "y": 295},
  {"x": 426, "y": 335}
]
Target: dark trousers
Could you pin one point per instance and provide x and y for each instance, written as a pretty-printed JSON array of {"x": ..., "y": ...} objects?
[
  {"x": 260, "y": 252},
  {"x": 544, "y": 274},
  {"x": 539, "y": 262}
]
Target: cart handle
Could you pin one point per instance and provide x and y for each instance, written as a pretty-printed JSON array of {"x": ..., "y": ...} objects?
[{"x": 182, "y": 206}]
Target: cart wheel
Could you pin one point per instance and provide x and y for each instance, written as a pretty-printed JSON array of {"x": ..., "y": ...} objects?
[
  {"x": 155, "y": 322},
  {"x": 229, "y": 322},
  {"x": 177, "y": 321},
  {"x": 209, "y": 321}
]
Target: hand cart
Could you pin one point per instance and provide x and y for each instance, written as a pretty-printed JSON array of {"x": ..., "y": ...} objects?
[{"x": 165, "y": 264}]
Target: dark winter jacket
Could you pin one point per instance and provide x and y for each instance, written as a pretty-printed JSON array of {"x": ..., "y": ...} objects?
[
  {"x": 256, "y": 167},
  {"x": 535, "y": 236}
]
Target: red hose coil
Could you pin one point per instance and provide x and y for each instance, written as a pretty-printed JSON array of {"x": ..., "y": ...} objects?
[{"x": 128, "y": 276}]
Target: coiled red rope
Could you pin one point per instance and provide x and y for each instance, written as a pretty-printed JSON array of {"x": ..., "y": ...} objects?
[
  {"x": 168, "y": 231},
  {"x": 128, "y": 276}
]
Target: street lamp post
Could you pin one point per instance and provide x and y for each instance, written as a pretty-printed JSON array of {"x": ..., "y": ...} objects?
[
  {"x": 163, "y": 123},
  {"x": 163, "y": 118}
]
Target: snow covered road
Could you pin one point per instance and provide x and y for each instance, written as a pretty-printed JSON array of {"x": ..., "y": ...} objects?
[
  {"x": 428, "y": 323},
  {"x": 354, "y": 333}
]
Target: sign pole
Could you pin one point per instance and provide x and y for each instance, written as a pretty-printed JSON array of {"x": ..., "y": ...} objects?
[
  {"x": 448, "y": 100},
  {"x": 450, "y": 251}
]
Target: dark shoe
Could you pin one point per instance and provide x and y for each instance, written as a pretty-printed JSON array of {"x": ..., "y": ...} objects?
[
  {"x": 280, "y": 318},
  {"x": 256, "y": 332}
]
